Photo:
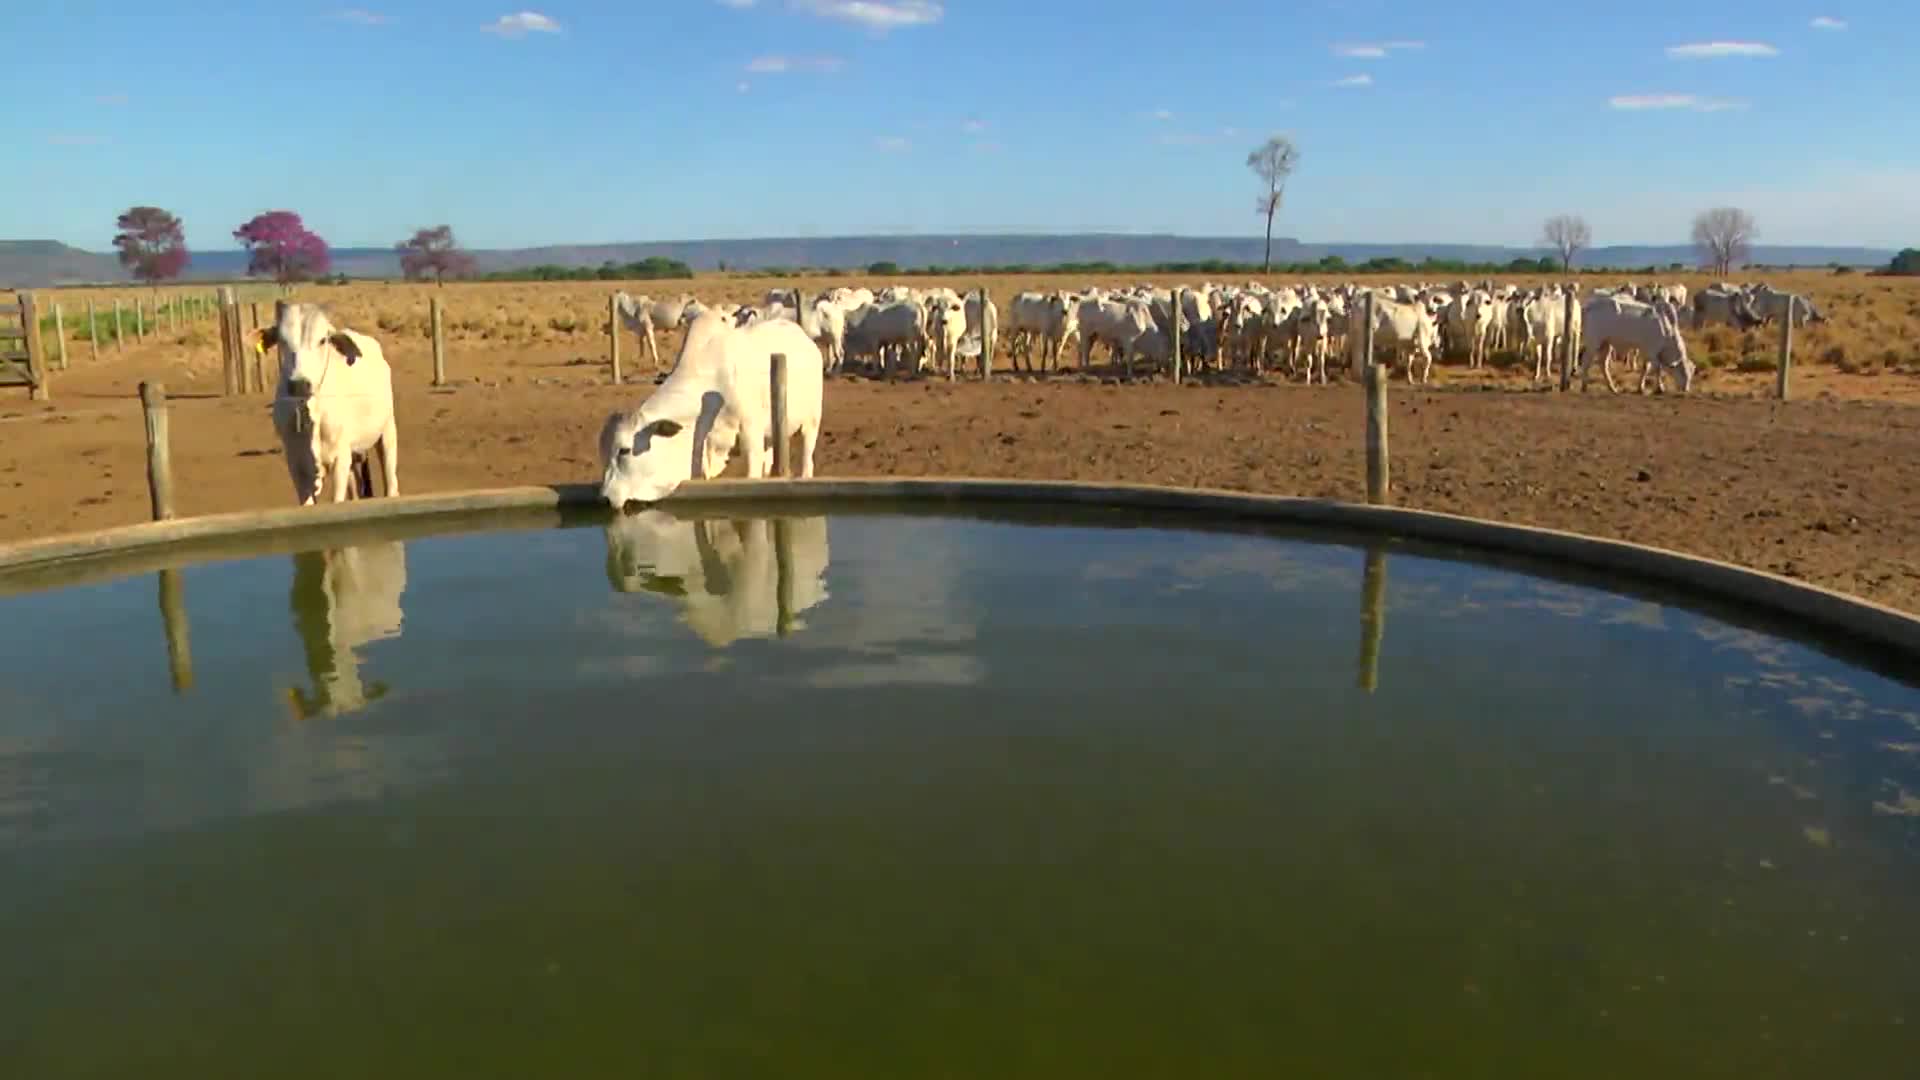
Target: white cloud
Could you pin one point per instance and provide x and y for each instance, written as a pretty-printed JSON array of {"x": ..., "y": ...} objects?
[
  {"x": 781, "y": 65},
  {"x": 1693, "y": 102},
  {"x": 879, "y": 16},
  {"x": 1354, "y": 80},
  {"x": 1713, "y": 50},
  {"x": 521, "y": 24},
  {"x": 735, "y": 4},
  {"x": 1375, "y": 50},
  {"x": 363, "y": 17},
  {"x": 1162, "y": 115},
  {"x": 973, "y": 127},
  {"x": 110, "y": 99},
  {"x": 1828, "y": 22},
  {"x": 742, "y": 87},
  {"x": 987, "y": 147},
  {"x": 892, "y": 144},
  {"x": 77, "y": 140}
]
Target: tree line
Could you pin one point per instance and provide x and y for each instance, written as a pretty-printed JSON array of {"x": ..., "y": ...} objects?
[{"x": 151, "y": 245}]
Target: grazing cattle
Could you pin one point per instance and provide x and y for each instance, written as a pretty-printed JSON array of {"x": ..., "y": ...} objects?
[
  {"x": 1404, "y": 327},
  {"x": 716, "y": 400},
  {"x": 1772, "y": 305},
  {"x": 334, "y": 399},
  {"x": 1618, "y": 323},
  {"x": 343, "y": 599},
  {"x": 643, "y": 316},
  {"x": 1727, "y": 307},
  {"x": 983, "y": 323},
  {"x": 724, "y": 574}
]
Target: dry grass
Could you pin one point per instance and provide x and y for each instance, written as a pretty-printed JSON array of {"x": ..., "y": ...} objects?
[{"x": 1873, "y": 325}]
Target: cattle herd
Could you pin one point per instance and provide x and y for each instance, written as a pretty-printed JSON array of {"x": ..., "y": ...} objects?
[
  {"x": 1253, "y": 327},
  {"x": 334, "y": 401}
]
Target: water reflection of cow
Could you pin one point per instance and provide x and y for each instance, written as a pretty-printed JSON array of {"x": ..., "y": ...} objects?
[
  {"x": 732, "y": 578},
  {"x": 343, "y": 599}
]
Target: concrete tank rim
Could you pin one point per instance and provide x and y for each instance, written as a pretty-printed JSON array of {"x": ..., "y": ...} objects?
[{"x": 1817, "y": 609}]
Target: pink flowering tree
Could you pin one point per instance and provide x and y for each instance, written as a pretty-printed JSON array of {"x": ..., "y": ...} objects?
[
  {"x": 434, "y": 253},
  {"x": 279, "y": 244},
  {"x": 152, "y": 244}
]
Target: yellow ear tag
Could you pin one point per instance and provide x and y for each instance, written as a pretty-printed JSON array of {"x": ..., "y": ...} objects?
[{"x": 259, "y": 346}]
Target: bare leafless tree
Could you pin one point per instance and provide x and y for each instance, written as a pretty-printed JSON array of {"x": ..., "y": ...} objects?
[
  {"x": 1273, "y": 162},
  {"x": 1568, "y": 235},
  {"x": 1724, "y": 235}
]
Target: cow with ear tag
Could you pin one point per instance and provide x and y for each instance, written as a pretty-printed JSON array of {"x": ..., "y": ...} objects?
[
  {"x": 718, "y": 399},
  {"x": 333, "y": 400}
]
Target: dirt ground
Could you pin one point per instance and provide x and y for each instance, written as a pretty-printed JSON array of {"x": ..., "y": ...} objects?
[{"x": 1820, "y": 489}]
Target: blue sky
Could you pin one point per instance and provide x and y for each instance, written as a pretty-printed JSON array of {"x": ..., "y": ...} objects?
[{"x": 585, "y": 122}]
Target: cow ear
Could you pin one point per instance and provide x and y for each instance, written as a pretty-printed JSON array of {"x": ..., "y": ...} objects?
[
  {"x": 666, "y": 429},
  {"x": 266, "y": 339},
  {"x": 347, "y": 346}
]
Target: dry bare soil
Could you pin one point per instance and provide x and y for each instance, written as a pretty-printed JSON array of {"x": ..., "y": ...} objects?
[{"x": 1821, "y": 488}]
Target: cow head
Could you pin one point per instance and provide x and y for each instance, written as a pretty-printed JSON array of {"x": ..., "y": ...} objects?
[
  {"x": 1744, "y": 312},
  {"x": 1806, "y": 312},
  {"x": 309, "y": 346},
  {"x": 645, "y": 455}
]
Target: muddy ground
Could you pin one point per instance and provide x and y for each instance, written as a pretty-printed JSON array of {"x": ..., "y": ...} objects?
[{"x": 1820, "y": 489}]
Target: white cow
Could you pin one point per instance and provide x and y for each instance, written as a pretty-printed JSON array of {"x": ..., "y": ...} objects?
[
  {"x": 716, "y": 401},
  {"x": 724, "y": 574},
  {"x": 1772, "y": 305},
  {"x": 1405, "y": 327},
  {"x": 1118, "y": 323},
  {"x": 1469, "y": 322},
  {"x": 1050, "y": 317},
  {"x": 644, "y": 315},
  {"x": 334, "y": 399},
  {"x": 1726, "y": 306},
  {"x": 946, "y": 326},
  {"x": 1620, "y": 323},
  {"x": 343, "y": 599},
  {"x": 884, "y": 329}
]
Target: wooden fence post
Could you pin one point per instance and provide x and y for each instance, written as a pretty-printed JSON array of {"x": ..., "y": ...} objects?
[
  {"x": 1373, "y": 616},
  {"x": 1377, "y": 483},
  {"x": 119, "y": 341},
  {"x": 1785, "y": 374},
  {"x": 139, "y": 318},
  {"x": 230, "y": 369},
  {"x": 1366, "y": 333},
  {"x": 255, "y": 306},
  {"x": 60, "y": 337},
  {"x": 1571, "y": 345},
  {"x": 173, "y": 616},
  {"x": 613, "y": 335},
  {"x": 36, "y": 349},
  {"x": 153, "y": 401},
  {"x": 782, "y": 445},
  {"x": 436, "y": 315},
  {"x": 93, "y": 332},
  {"x": 1179, "y": 310}
]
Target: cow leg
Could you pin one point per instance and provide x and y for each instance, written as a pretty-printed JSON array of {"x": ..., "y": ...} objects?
[
  {"x": 653, "y": 350},
  {"x": 757, "y": 456},
  {"x": 809, "y": 438},
  {"x": 339, "y": 474},
  {"x": 390, "y": 457}
]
